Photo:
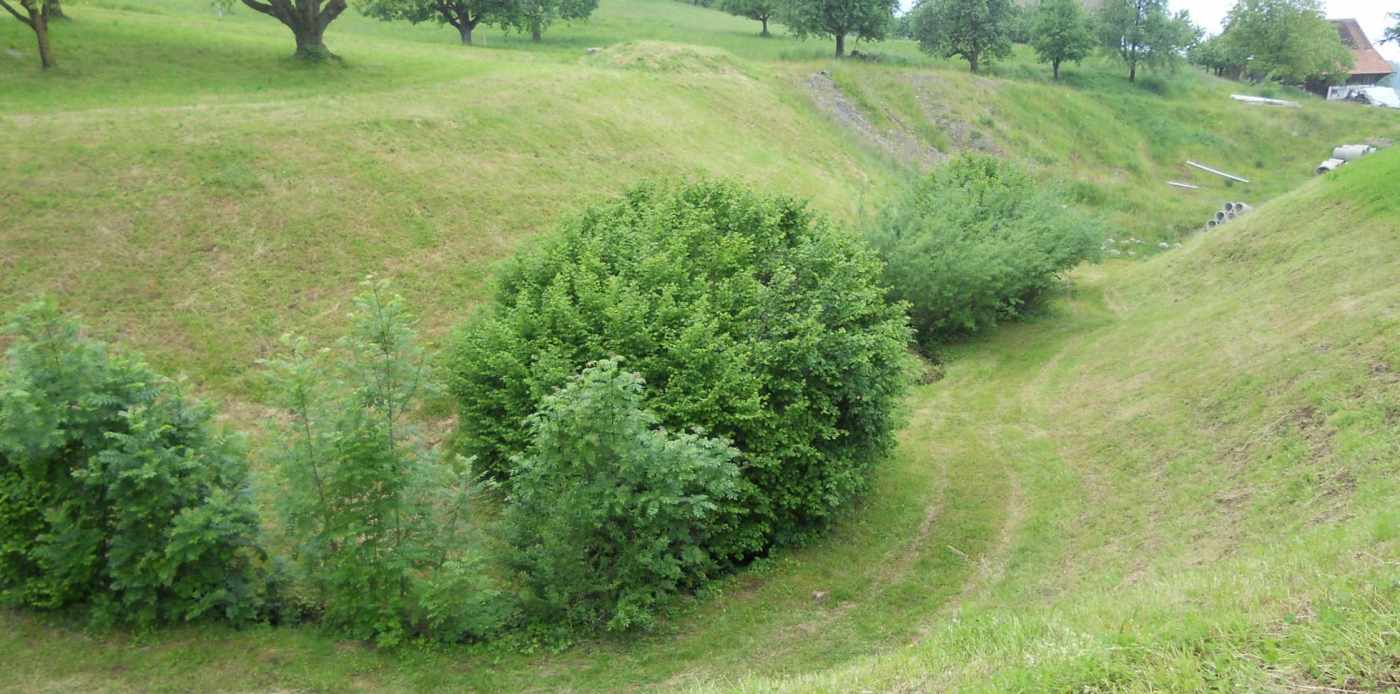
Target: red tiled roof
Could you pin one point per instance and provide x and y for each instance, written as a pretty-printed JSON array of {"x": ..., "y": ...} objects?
[{"x": 1368, "y": 60}]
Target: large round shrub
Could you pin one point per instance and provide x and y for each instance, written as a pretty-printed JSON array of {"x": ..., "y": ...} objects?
[
  {"x": 748, "y": 317},
  {"x": 116, "y": 492},
  {"x": 975, "y": 243}
]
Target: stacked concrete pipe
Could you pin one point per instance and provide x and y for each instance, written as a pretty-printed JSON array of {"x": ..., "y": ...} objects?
[
  {"x": 1342, "y": 155},
  {"x": 1230, "y": 211}
]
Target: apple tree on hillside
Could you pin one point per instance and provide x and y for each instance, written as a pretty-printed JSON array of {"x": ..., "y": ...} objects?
[
  {"x": 307, "y": 19},
  {"x": 976, "y": 30},
  {"x": 1145, "y": 33},
  {"x": 1287, "y": 40},
  {"x": 868, "y": 20},
  {"x": 463, "y": 15},
  {"x": 1061, "y": 31},
  {"x": 35, "y": 15},
  {"x": 535, "y": 16},
  {"x": 757, "y": 10}
]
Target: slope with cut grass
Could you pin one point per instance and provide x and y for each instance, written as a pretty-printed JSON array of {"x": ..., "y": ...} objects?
[
  {"x": 194, "y": 193},
  {"x": 1206, "y": 448},
  {"x": 1182, "y": 475}
]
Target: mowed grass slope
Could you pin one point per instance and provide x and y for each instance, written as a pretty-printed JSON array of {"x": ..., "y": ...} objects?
[
  {"x": 195, "y": 194},
  {"x": 250, "y": 196},
  {"x": 1185, "y": 475},
  {"x": 1206, "y": 449}
]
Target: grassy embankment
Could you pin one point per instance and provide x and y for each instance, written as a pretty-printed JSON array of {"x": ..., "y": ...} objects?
[{"x": 1183, "y": 472}]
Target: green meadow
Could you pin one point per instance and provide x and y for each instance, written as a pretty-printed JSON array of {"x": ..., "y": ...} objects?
[{"x": 1182, "y": 474}]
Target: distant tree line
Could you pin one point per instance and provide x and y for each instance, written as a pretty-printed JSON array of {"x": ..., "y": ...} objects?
[
  {"x": 525, "y": 16},
  {"x": 1285, "y": 40}
]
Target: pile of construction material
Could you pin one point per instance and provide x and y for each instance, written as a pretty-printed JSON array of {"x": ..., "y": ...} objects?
[
  {"x": 1343, "y": 154},
  {"x": 1231, "y": 211}
]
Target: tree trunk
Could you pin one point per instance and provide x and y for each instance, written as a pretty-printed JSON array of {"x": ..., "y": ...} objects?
[
  {"x": 310, "y": 42},
  {"x": 307, "y": 19},
  {"x": 840, "y": 45},
  {"x": 35, "y": 19},
  {"x": 535, "y": 31},
  {"x": 764, "y": 33},
  {"x": 972, "y": 61},
  {"x": 41, "y": 31},
  {"x": 466, "y": 31},
  {"x": 1132, "y": 72},
  {"x": 1056, "y": 66}
]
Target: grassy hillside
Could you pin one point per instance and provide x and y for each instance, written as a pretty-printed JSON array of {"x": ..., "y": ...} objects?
[
  {"x": 1183, "y": 475},
  {"x": 1205, "y": 450},
  {"x": 1115, "y": 145},
  {"x": 195, "y": 194}
]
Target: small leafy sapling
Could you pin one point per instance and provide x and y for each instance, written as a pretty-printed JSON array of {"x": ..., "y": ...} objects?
[
  {"x": 376, "y": 518},
  {"x": 611, "y": 515}
]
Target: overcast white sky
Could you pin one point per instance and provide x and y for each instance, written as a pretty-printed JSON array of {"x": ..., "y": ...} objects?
[{"x": 1371, "y": 14}]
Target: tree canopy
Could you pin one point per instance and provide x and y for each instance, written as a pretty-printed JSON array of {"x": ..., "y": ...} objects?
[
  {"x": 1287, "y": 40},
  {"x": 1061, "y": 31},
  {"x": 758, "y": 10},
  {"x": 976, "y": 30},
  {"x": 462, "y": 15},
  {"x": 868, "y": 20},
  {"x": 1392, "y": 34},
  {"x": 535, "y": 16},
  {"x": 1145, "y": 33}
]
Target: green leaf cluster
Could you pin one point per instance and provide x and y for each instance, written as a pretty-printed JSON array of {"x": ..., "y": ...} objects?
[
  {"x": 748, "y": 317},
  {"x": 376, "y": 521},
  {"x": 1144, "y": 33},
  {"x": 1290, "y": 41},
  {"x": 868, "y": 20},
  {"x": 1062, "y": 32},
  {"x": 117, "y": 494},
  {"x": 610, "y": 514},
  {"x": 975, "y": 243},
  {"x": 977, "y": 30}
]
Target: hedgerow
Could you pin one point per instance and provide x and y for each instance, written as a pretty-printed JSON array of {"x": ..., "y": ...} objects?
[
  {"x": 976, "y": 243},
  {"x": 748, "y": 316}
]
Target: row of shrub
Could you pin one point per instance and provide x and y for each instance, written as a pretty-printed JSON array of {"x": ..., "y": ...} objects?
[{"x": 672, "y": 384}]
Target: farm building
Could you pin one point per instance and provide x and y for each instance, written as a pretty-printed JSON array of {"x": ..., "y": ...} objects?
[{"x": 1370, "y": 67}]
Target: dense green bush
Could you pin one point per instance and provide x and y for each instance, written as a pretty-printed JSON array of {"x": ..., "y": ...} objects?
[
  {"x": 376, "y": 520},
  {"x": 975, "y": 243},
  {"x": 746, "y": 315},
  {"x": 115, "y": 491},
  {"x": 611, "y": 515}
]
